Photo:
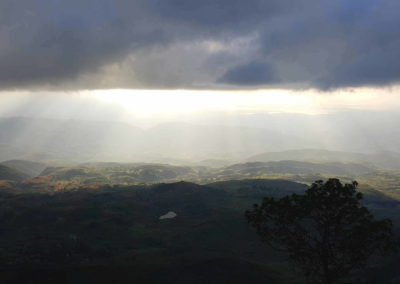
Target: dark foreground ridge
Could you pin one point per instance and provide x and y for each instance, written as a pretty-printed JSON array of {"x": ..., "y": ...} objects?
[{"x": 109, "y": 234}]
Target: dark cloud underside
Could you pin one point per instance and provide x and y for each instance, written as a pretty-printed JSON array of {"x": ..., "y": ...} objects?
[
  {"x": 199, "y": 44},
  {"x": 254, "y": 73}
]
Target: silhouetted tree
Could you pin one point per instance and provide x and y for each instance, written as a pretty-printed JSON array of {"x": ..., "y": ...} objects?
[{"x": 326, "y": 232}]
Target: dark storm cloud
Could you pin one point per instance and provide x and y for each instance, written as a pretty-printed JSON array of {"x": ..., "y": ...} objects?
[
  {"x": 217, "y": 14},
  {"x": 253, "y": 73},
  {"x": 173, "y": 43},
  {"x": 52, "y": 41}
]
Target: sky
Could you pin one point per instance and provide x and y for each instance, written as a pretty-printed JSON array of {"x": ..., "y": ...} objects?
[
  {"x": 130, "y": 59},
  {"x": 146, "y": 108}
]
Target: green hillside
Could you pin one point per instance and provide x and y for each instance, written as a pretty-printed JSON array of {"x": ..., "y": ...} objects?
[
  {"x": 135, "y": 173},
  {"x": 298, "y": 167},
  {"x": 119, "y": 173}
]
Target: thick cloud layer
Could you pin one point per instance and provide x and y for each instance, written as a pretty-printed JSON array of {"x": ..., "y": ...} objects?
[{"x": 198, "y": 44}]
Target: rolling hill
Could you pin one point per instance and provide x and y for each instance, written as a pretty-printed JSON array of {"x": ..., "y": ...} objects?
[
  {"x": 298, "y": 167},
  {"x": 139, "y": 173},
  {"x": 379, "y": 159},
  {"x": 7, "y": 173},
  {"x": 29, "y": 168}
]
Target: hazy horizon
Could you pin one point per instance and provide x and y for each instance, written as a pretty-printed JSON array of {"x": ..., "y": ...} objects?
[{"x": 306, "y": 75}]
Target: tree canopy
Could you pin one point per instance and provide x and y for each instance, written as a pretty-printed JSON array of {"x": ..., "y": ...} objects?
[{"x": 326, "y": 232}]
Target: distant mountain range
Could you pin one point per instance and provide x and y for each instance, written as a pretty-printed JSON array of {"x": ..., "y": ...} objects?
[
  {"x": 80, "y": 141},
  {"x": 380, "y": 159},
  {"x": 70, "y": 142}
]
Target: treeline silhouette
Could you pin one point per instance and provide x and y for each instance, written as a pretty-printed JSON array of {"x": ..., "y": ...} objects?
[{"x": 326, "y": 232}]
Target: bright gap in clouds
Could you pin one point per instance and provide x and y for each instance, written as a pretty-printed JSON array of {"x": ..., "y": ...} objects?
[
  {"x": 150, "y": 102},
  {"x": 164, "y": 102},
  {"x": 149, "y": 107}
]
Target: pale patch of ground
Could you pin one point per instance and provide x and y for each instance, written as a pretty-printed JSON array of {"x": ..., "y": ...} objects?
[{"x": 169, "y": 215}]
